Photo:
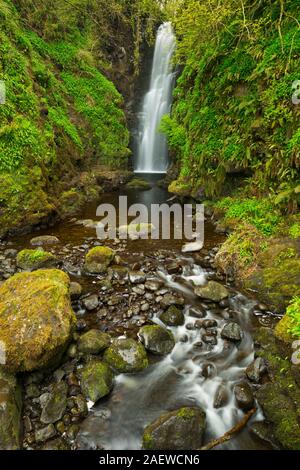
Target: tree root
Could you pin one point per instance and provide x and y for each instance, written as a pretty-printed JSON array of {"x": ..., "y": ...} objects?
[{"x": 231, "y": 433}]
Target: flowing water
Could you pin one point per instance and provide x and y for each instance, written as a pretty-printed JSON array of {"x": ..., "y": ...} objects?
[
  {"x": 152, "y": 147},
  {"x": 192, "y": 373}
]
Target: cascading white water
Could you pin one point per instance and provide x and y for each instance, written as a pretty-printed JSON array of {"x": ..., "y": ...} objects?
[{"x": 152, "y": 147}]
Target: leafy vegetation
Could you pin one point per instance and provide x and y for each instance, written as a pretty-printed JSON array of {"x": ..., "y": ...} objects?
[
  {"x": 233, "y": 111},
  {"x": 293, "y": 312}
]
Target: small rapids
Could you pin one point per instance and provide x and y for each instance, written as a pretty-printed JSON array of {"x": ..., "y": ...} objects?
[{"x": 190, "y": 375}]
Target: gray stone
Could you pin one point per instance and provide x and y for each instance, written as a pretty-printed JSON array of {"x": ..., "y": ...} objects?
[
  {"x": 55, "y": 405},
  {"x": 42, "y": 435},
  {"x": 244, "y": 396},
  {"x": 173, "y": 316},
  {"x": 91, "y": 302},
  {"x": 156, "y": 339},
  {"x": 232, "y": 331},
  {"x": 212, "y": 291}
]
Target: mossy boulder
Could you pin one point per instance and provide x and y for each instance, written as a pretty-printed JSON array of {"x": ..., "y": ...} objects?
[
  {"x": 180, "y": 188},
  {"x": 96, "y": 380},
  {"x": 10, "y": 411},
  {"x": 93, "y": 342},
  {"x": 55, "y": 405},
  {"x": 126, "y": 355},
  {"x": 213, "y": 291},
  {"x": 36, "y": 319},
  {"x": 30, "y": 260},
  {"x": 181, "y": 429},
  {"x": 173, "y": 316},
  {"x": 282, "y": 330},
  {"x": 156, "y": 339},
  {"x": 98, "y": 259},
  {"x": 138, "y": 184}
]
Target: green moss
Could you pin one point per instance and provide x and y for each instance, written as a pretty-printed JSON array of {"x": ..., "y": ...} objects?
[
  {"x": 98, "y": 259},
  {"x": 126, "y": 356},
  {"x": 179, "y": 187},
  {"x": 138, "y": 184},
  {"x": 96, "y": 380},
  {"x": 35, "y": 259}
]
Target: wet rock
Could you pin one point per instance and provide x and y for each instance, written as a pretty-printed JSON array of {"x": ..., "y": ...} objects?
[
  {"x": 137, "y": 277},
  {"x": 96, "y": 379},
  {"x": 173, "y": 268},
  {"x": 136, "y": 231},
  {"x": 98, "y": 259},
  {"x": 91, "y": 302},
  {"x": 221, "y": 396},
  {"x": 209, "y": 339},
  {"x": 256, "y": 370},
  {"x": 31, "y": 260},
  {"x": 209, "y": 324},
  {"x": 192, "y": 247},
  {"x": 80, "y": 405},
  {"x": 208, "y": 370},
  {"x": 55, "y": 405},
  {"x": 93, "y": 342},
  {"x": 126, "y": 355},
  {"x": 197, "y": 312},
  {"x": 264, "y": 431},
  {"x": 232, "y": 331},
  {"x": 56, "y": 444},
  {"x": 173, "y": 316},
  {"x": 73, "y": 431},
  {"x": 212, "y": 291},
  {"x": 44, "y": 240},
  {"x": 181, "y": 429},
  {"x": 244, "y": 396},
  {"x": 42, "y": 435},
  {"x": 171, "y": 299},
  {"x": 152, "y": 285},
  {"x": 10, "y": 411},
  {"x": 72, "y": 351},
  {"x": 75, "y": 290},
  {"x": 32, "y": 391},
  {"x": 36, "y": 319},
  {"x": 156, "y": 339}
]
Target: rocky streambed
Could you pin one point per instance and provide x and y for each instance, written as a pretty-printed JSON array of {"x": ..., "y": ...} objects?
[{"x": 128, "y": 345}]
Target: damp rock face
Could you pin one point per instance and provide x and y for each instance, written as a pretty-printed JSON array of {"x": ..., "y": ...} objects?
[
  {"x": 96, "y": 380},
  {"x": 213, "y": 291},
  {"x": 181, "y": 429},
  {"x": 93, "y": 342},
  {"x": 156, "y": 339},
  {"x": 98, "y": 259},
  {"x": 36, "y": 319},
  {"x": 126, "y": 355},
  {"x": 10, "y": 411}
]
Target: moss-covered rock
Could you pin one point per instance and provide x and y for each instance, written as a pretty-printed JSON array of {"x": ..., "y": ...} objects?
[
  {"x": 181, "y": 429},
  {"x": 138, "y": 184},
  {"x": 10, "y": 411},
  {"x": 55, "y": 405},
  {"x": 93, "y": 342},
  {"x": 30, "y": 260},
  {"x": 44, "y": 240},
  {"x": 98, "y": 259},
  {"x": 96, "y": 380},
  {"x": 126, "y": 355},
  {"x": 156, "y": 339},
  {"x": 173, "y": 316},
  {"x": 36, "y": 319},
  {"x": 213, "y": 291},
  {"x": 180, "y": 188},
  {"x": 283, "y": 330}
]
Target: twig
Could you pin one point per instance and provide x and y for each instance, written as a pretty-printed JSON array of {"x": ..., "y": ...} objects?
[{"x": 231, "y": 433}]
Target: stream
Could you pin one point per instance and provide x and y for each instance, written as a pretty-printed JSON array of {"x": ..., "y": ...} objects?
[{"x": 201, "y": 362}]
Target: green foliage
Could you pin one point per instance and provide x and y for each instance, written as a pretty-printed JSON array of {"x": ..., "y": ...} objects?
[
  {"x": 294, "y": 231},
  {"x": 233, "y": 106},
  {"x": 258, "y": 212},
  {"x": 293, "y": 312}
]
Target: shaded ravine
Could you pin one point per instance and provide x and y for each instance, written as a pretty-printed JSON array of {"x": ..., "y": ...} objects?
[{"x": 192, "y": 373}]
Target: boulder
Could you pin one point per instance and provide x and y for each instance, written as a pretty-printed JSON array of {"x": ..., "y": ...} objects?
[
  {"x": 213, "y": 291},
  {"x": 55, "y": 404},
  {"x": 181, "y": 429},
  {"x": 137, "y": 277},
  {"x": 126, "y": 355},
  {"x": 91, "y": 302},
  {"x": 10, "y": 411},
  {"x": 232, "y": 331},
  {"x": 256, "y": 370},
  {"x": 75, "y": 290},
  {"x": 30, "y": 260},
  {"x": 36, "y": 319},
  {"x": 93, "y": 342},
  {"x": 44, "y": 240},
  {"x": 96, "y": 380},
  {"x": 173, "y": 316},
  {"x": 244, "y": 396},
  {"x": 98, "y": 259},
  {"x": 156, "y": 339}
]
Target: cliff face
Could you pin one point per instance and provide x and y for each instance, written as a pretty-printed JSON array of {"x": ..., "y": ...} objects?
[{"x": 69, "y": 69}]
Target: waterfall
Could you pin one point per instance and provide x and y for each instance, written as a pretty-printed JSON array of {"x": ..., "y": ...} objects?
[{"x": 152, "y": 146}]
